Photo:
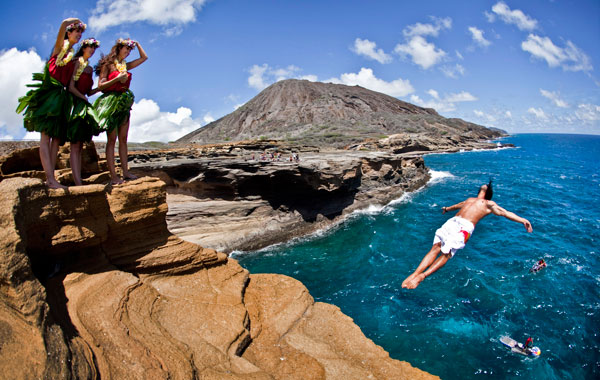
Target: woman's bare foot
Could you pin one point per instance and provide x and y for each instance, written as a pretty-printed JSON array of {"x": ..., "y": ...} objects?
[
  {"x": 116, "y": 181},
  {"x": 55, "y": 185},
  {"x": 415, "y": 281},
  {"x": 128, "y": 175}
]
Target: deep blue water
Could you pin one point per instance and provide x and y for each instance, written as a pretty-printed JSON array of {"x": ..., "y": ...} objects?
[{"x": 450, "y": 325}]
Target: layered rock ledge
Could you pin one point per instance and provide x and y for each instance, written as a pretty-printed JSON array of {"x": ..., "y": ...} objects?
[
  {"x": 240, "y": 203},
  {"x": 93, "y": 285}
]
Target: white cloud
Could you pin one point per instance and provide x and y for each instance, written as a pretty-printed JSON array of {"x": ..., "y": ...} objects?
[
  {"x": 172, "y": 14},
  {"x": 365, "y": 78},
  {"x": 16, "y": 68},
  {"x": 453, "y": 71},
  {"x": 508, "y": 114},
  {"x": 538, "y": 113},
  {"x": 570, "y": 58},
  {"x": 478, "y": 37},
  {"x": 588, "y": 112},
  {"x": 445, "y": 104},
  {"x": 490, "y": 16},
  {"x": 369, "y": 49},
  {"x": 434, "y": 94},
  {"x": 555, "y": 97},
  {"x": 263, "y": 76},
  {"x": 208, "y": 118},
  {"x": 516, "y": 17},
  {"x": 434, "y": 29},
  {"x": 149, "y": 123},
  {"x": 423, "y": 53}
]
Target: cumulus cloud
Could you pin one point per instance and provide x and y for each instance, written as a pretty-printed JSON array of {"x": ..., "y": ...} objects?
[
  {"x": 264, "y": 75},
  {"x": 555, "y": 98},
  {"x": 478, "y": 37},
  {"x": 369, "y": 49},
  {"x": 149, "y": 123},
  {"x": 488, "y": 118},
  {"x": 365, "y": 78},
  {"x": 538, "y": 113},
  {"x": 443, "y": 104},
  {"x": 421, "y": 51},
  {"x": 588, "y": 112},
  {"x": 570, "y": 58},
  {"x": 515, "y": 17},
  {"x": 16, "y": 68},
  {"x": 171, "y": 14}
]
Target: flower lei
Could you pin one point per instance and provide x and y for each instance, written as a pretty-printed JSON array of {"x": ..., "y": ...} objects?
[
  {"x": 60, "y": 61},
  {"x": 128, "y": 42},
  {"x": 122, "y": 67},
  {"x": 82, "y": 65}
]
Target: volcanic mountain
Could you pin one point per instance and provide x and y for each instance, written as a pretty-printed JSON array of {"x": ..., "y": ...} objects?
[{"x": 313, "y": 113}]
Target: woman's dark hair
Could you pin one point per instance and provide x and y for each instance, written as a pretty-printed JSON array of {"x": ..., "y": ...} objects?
[{"x": 489, "y": 192}]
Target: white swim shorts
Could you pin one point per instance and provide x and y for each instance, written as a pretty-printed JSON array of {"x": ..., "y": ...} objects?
[{"x": 453, "y": 235}]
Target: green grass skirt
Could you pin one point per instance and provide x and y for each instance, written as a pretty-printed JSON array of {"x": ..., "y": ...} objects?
[
  {"x": 47, "y": 107},
  {"x": 83, "y": 123},
  {"x": 113, "y": 109}
]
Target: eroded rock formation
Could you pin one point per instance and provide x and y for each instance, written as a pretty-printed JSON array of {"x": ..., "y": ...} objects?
[
  {"x": 93, "y": 285},
  {"x": 235, "y": 203}
]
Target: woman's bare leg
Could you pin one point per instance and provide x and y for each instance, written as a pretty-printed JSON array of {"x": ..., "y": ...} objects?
[
  {"x": 48, "y": 162},
  {"x": 75, "y": 158},
  {"x": 110, "y": 157},
  {"x": 123, "y": 152}
]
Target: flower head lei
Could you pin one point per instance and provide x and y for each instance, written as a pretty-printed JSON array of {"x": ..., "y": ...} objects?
[
  {"x": 127, "y": 42},
  {"x": 76, "y": 26},
  {"x": 61, "y": 60},
  {"x": 91, "y": 42}
]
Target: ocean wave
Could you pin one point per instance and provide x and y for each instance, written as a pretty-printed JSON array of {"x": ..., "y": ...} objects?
[{"x": 438, "y": 176}]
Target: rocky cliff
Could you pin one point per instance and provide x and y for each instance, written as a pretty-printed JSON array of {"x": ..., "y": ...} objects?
[
  {"x": 325, "y": 114},
  {"x": 240, "y": 203},
  {"x": 93, "y": 285}
]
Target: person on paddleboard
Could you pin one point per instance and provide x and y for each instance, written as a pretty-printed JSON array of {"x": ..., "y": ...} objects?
[{"x": 453, "y": 235}]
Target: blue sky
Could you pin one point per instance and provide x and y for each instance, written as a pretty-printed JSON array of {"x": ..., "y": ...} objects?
[{"x": 523, "y": 66}]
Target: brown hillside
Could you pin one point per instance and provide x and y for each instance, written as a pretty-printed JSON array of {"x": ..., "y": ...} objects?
[{"x": 314, "y": 113}]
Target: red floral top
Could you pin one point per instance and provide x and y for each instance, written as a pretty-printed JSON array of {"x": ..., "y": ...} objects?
[
  {"x": 62, "y": 74},
  {"x": 119, "y": 87}
]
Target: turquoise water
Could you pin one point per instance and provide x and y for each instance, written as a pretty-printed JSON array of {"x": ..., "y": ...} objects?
[{"x": 450, "y": 325}]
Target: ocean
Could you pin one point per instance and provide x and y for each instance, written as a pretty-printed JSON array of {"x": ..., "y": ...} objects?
[{"x": 451, "y": 324}]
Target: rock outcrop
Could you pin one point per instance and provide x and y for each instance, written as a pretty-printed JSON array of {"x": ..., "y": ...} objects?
[
  {"x": 326, "y": 114},
  {"x": 93, "y": 285},
  {"x": 236, "y": 203}
]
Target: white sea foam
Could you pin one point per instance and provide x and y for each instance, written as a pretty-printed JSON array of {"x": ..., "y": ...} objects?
[{"x": 370, "y": 210}]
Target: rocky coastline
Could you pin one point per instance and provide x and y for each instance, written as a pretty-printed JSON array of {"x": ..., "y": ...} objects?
[{"x": 134, "y": 281}]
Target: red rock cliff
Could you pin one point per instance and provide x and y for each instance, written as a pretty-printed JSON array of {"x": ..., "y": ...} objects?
[{"x": 93, "y": 285}]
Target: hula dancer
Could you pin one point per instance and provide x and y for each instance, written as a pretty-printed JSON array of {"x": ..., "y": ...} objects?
[
  {"x": 83, "y": 123},
  {"x": 48, "y": 105},
  {"x": 114, "y": 106}
]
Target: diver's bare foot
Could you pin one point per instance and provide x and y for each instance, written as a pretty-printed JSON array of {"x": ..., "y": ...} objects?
[
  {"x": 407, "y": 280},
  {"x": 55, "y": 185},
  {"x": 415, "y": 281}
]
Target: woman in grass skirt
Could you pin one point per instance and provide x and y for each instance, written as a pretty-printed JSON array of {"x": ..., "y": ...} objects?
[
  {"x": 114, "y": 106},
  {"x": 47, "y": 107},
  {"x": 83, "y": 123}
]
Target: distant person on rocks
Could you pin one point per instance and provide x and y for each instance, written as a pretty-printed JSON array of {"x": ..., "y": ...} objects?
[
  {"x": 114, "y": 106},
  {"x": 453, "y": 235},
  {"x": 47, "y": 107}
]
